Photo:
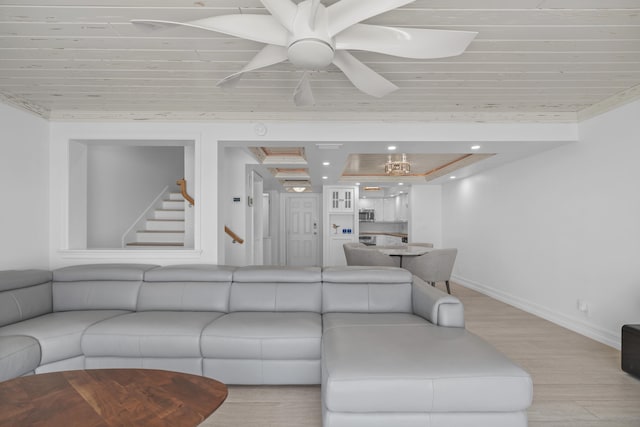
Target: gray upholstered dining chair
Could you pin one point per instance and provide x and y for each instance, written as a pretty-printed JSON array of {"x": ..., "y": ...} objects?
[
  {"x": 348, "y": 251},
  {"x": 368, "y": 256},
  {"x": 434, "y": 266}
]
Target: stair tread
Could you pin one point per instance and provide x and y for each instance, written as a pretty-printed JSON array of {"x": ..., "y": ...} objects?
[
  {"x": 170, "y": 220},
  {"x": 161, "y": 231},
  {"x": 155, "y": 244},
  {"x": 170, "y": 210}
]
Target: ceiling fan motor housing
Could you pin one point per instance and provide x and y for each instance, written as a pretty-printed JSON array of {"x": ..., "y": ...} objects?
[
  {"x": 310, "y": 46},
  {"x": 310, "y": 54}
]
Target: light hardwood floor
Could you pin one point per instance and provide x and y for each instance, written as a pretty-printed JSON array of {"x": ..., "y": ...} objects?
[{"x": 577, "y": 381}]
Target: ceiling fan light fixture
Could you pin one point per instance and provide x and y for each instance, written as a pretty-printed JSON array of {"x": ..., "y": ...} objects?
[
  {"x": 310, "y": 54},
  {"x": 397, "y": 168}
]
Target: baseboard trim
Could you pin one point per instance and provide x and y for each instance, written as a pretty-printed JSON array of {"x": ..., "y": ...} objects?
[{"x": 609, "y": 338}]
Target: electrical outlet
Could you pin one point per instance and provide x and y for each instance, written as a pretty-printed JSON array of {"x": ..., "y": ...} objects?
[{"x": 583, "y": 306}]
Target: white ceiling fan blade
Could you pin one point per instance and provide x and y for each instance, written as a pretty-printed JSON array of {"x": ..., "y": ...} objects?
[
  {"x": 259, "y": 28},
  {"x": 363, "y": 77},
  {"x": 345, "y": 13},
  {"x": 283, "y": 10},
  {"x": 303, "y": 95},
  {"x": 312, "y": 13},
  {"x": 269, "y": 55},
  {"x": 414, "y": 43}
]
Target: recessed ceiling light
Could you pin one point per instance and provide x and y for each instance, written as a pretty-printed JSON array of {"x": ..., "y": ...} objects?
[
  {"x": 357, "y": 183},
  {"x": 325, "y": 177},
  {"x": 392, "y": 148},
  {"x": 452, "y": 177},
  {"x": 475, "y": 147},
  {"x": 325, "y": 163},
  {"x": 401, "y": 183}
]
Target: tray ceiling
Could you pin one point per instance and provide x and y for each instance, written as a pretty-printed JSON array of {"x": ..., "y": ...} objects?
[{"x": 546, "y": 58}]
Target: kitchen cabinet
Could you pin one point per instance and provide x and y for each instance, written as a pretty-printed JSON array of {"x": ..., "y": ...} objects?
[
  {"x": 341, "y": 222},
  {"x": 402, "y": 207},
  {"x": 389, "y": 209},
  {"x": 366, "y": 204},
  {"x": 342, "y": 200}
]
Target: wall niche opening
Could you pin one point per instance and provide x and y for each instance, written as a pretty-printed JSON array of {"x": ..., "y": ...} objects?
[{"x": 124, "y": 195}]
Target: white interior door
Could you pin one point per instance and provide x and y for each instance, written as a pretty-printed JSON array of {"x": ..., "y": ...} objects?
[{"x": 302, "y": 229}]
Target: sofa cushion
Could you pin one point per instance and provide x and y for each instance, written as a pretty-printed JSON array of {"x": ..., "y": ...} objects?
[
  {"x": 148, "y": 334},
  {"x": 263, "y": 335},
  {"x": 336, "y": 320},
  {"x": 418, "y": 368},
  {"x": 24, "y": 294},
  {"x": 269, "y": 288},
  {"x": 190, "y": 273},
  {"x": 184, "y": 296},
  {"x": 59, "y": 333},
  {"x": 19, "y": 355},
  {"x": 16, "y": 279},
  {"x": 102, "y": 272},
  {"x": 98, "y": 286},
  {"x": 366, "y": 289}
]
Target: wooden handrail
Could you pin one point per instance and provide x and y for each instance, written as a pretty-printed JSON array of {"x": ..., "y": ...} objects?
[
  {"x": 183, "y": 190},
  {"x": 234, "y": 236}
]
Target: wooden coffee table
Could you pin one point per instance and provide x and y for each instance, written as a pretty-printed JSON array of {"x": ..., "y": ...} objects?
[{"x": 109, "y": 398}]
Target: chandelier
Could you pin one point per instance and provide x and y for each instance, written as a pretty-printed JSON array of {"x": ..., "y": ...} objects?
[{"x": 402, "y": 167}]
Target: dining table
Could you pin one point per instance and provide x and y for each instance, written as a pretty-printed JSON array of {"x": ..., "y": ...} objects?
[{"x": 403, "y": 251}]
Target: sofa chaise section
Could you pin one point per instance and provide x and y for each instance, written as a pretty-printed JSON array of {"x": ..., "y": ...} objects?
[
  {"x": 174, "y": 305},
  {"x": 419, "y": 375},
  {"x": 383, "y": 365},
  {"x": 273, "y": 332}
]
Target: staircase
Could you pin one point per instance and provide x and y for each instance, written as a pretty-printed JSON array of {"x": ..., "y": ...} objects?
[{"x": 165, "y": 227}]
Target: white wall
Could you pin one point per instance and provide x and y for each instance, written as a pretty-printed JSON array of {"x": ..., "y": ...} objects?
[
  {"x": 121, "y": 183},
  {"x": 212, "y": 183},
  {"x": 24, "y": 169},
  {"x": 425, "y": 214},
  {"x": 235, "y": 175},
  {"x": 563, "y": 225}
]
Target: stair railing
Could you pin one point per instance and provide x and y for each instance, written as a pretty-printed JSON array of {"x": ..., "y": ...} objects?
[
  {"x": 129, "y": 235},
  {"x": 183, "y": 190},
  {"x": 234, "y": 236}
]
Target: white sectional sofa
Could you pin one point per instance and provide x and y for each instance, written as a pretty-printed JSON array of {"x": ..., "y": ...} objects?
[{"x": 387, "y": 349}]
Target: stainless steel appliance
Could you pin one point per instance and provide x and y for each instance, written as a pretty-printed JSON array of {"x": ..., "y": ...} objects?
[{"x": 367, "y": 215}]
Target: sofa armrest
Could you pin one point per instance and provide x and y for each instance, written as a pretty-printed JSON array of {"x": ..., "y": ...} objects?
[{"x": 438, "y": 307}]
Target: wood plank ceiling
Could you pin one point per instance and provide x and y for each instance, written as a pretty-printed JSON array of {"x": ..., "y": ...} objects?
[{"x": 547, "y": 58}]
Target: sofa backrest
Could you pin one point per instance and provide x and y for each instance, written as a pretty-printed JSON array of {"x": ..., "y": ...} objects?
[
  {"x": 271, "y": 288},
  {"x": 356, "y": 289},
  {"x": 98, "y": 286},
  {"x": 24, "y": 294},
  {"x": 195, "y": 287}
]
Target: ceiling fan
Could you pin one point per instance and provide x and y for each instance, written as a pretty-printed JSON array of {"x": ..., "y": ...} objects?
[{"x": 312, "y": 36}]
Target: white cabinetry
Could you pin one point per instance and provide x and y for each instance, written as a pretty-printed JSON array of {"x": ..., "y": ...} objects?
[
  {"x": 341, "y": 222},
  {"x": 342, "y": 199},
  {"x": 402, "y": 207},
  {"x": 389, "y": 209},
  {"x": 366, "y": 204}
]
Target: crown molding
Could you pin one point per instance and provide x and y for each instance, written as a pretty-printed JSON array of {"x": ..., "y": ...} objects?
[
  {"x": 198, "y": 116},
  {"x": 24, "y": 105},
  {"x": 618, "y": 100}
]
